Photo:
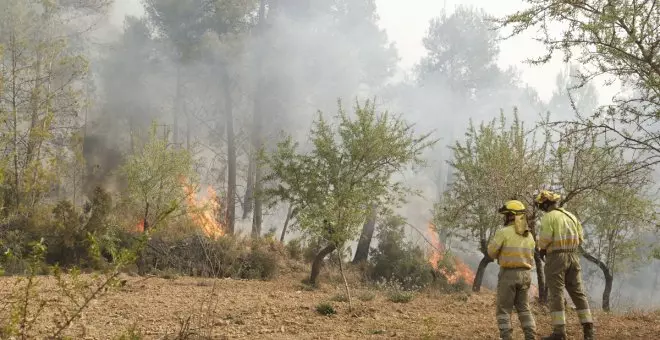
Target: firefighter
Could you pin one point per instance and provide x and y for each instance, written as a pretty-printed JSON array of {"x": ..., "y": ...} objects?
[
  {"x": 513, "y": 248},
  {"x": 559, "y": 242}
]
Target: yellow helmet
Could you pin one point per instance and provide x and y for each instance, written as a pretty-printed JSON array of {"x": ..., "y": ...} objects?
[
  {"x": 513, "y": 207},
  {"x": 547, "y": 196}
]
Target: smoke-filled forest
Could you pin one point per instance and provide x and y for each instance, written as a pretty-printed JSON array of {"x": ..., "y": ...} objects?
[{"x": 216, "y": 169}]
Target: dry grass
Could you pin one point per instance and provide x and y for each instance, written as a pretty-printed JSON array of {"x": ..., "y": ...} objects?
[{"x": 229, "y": 309}]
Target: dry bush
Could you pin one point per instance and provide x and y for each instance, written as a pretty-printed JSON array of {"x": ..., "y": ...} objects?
[{"x": 228, "y": 256}]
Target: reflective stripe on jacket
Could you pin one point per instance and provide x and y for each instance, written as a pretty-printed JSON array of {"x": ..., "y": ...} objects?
[
  {"x": 560, "y": 231},
  {"x": 512, "y": 250}
]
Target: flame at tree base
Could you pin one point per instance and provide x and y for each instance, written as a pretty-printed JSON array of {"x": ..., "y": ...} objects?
[
  {"x": 462, "y": 271},
  {"x": 204, "y": 213}
]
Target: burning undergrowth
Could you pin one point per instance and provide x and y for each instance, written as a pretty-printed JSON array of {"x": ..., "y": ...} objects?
[
  {"x": 406, "y": 265},
  {"x": 454, "y": 269}
]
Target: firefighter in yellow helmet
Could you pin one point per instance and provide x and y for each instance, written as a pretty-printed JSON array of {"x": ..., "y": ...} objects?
[
  {"x": 513, "y": 248},
  {"x": 559, "y": 240}
]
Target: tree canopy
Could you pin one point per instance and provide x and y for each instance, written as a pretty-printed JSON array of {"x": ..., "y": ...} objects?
[{"x": 349, "y": 169}]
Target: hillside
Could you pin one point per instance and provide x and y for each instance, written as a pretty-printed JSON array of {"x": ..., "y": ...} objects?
[{"x": 284, "y": 309}]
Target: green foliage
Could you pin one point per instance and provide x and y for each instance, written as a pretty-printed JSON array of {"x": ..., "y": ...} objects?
[
  {"x": 294, "y": 249},
  {"x": 496, "y": 162},
  {"x": 313, "y": 246},
  {"x": 133, "y": 333},
  {"x": 615, "y": 39},
  {"x": 349, "y": 168},
  {"x": 156, "y": 174},
  {"x": 340, "y": 298},
  {"x": 399, "y": 296},
  {"x": 38, "y": 111},
  {"x": 397, "y": 261},
  {"x": 27, "y": 303},
  {"x": 616, "y": 221},
  {"x": 366, "y": 295},
  {"x": 325, "y": 309},
  {"x": 607, "y": 189}
]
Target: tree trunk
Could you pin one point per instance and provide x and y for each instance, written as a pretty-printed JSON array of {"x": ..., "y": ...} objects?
[
  {"x": 609, "y": 280},
  {"x": 257, "y": 216},
  {"x": 318, "y": 262},
  {"x": 607, "y": 273},
  {"x": 258, "y": 116},
  {"x": 14, "y": 108},
  {"x": 177, "y": 107},
  {"x": 249, "y": 189},
  {"x": 540, "y": 274},
  {"x": 231, "y": 156},
  {"x": 540, "y": 277},
  {"x": 481, "y": 270},
  {"x": 286, "y": 222},
  {"x": 362, "y": 251},
  {"x": 343, "y": 276},
  {"x": 184, "y": 109}
]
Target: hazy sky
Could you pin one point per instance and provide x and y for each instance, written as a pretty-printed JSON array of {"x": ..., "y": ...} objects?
[{"x": 406, "y": 22}]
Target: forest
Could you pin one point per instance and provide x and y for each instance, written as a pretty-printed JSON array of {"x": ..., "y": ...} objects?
[{"x": 260, "y": 139}]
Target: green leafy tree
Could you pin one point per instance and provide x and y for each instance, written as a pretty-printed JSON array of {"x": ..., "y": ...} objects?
[
  {"x": 348, "y": 169},
  {"x": 496, "y": 162},
  {"x": 156, "y": 175},
  {"x": 616, "y": 39},
  {"x": 606, "y": 188},
  {"x": 616, "y": 220},
  {"x": 39, "y": 101}
]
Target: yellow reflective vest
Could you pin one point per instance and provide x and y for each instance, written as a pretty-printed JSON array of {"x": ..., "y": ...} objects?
[
  {"x": 512, "y": 250},
  {"x": 560, "y": 231}
]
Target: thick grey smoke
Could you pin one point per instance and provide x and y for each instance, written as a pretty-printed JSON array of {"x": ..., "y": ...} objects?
[{"x": 312, "y": 57}]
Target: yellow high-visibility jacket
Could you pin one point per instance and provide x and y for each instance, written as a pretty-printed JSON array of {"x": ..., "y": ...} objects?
[
  {"x": 512, "y": 250},
  {"x": 560, "y": 231}
]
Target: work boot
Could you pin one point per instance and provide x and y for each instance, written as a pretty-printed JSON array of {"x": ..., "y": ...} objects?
[
  {"x": 588, "y": 329},
  {"x": 506, "y": 334},
  {"x": 555, "y": 336},
  {"x": 530, "y": 333},
  {"x": 558, "y": 333}
]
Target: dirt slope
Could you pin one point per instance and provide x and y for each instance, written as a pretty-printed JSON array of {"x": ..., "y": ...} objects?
[{"x": 231, "y": 309}]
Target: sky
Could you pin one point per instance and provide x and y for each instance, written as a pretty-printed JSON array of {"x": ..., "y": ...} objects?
[{"x": 406, "y": 23}]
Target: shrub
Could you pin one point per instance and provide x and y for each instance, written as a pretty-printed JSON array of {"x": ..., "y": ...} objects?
[
  {"x": 228, "y": 256},
  {"x": 395, "y": 260},
  {"x": 366, "y": 296},
  {"x": 325, "y": 309},
  {"x": 340, "y": 298},
  {"x": 312, "y": 247},
  {"x": 399, "y": 296},
  {"x": 294, "y": 249}
]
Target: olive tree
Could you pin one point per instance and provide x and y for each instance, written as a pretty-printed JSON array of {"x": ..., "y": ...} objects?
[{"x": 348, "y": 169}]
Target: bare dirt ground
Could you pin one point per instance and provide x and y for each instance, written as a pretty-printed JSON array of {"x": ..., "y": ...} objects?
[{"x": 283, "y": 309}]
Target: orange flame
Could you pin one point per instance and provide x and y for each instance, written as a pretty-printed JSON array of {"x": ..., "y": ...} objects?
[
  {"x": 463, "y": 271},
  {"x": 204, "y": 211},
  {"x": 139, "y": 227}
]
